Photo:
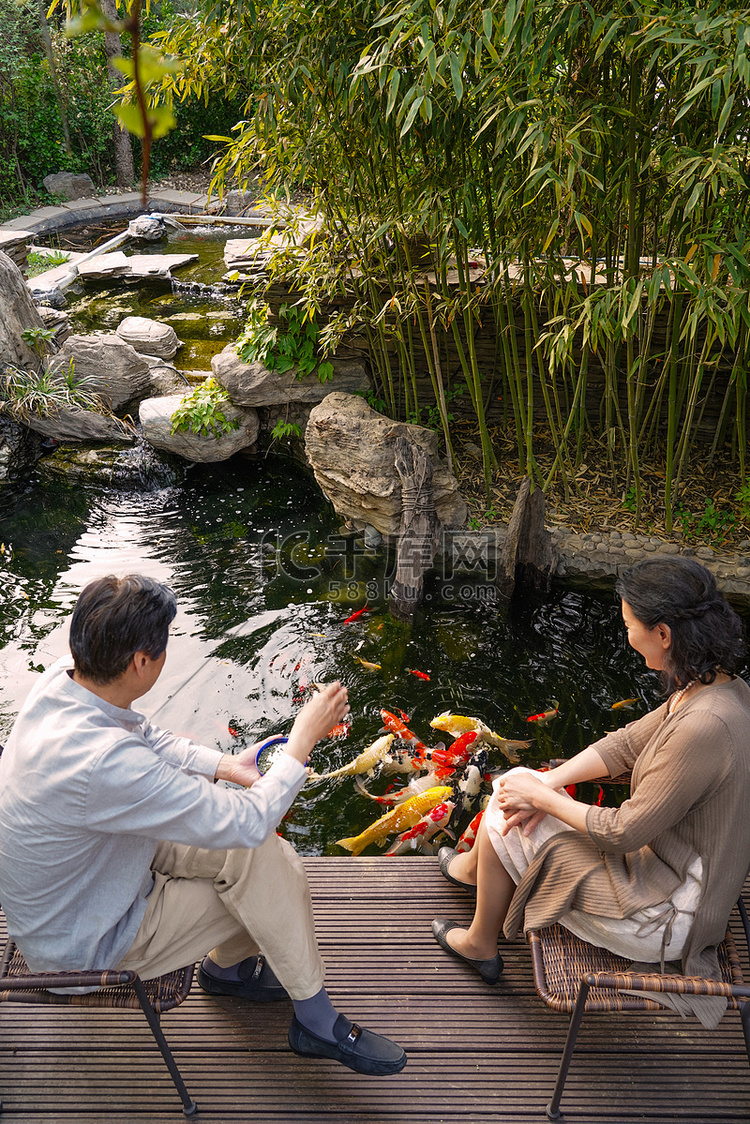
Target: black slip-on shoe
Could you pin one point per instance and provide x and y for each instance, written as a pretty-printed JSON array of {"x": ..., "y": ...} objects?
[
  {"x": 359, "y": 1049},
  {"x": 446, "y": 855},
  {"x": 256, "y": 983},
  {"x": 489, "y": 970}
]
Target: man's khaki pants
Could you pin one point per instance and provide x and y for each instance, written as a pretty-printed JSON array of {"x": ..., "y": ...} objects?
[{"x": 237, "y": 903}]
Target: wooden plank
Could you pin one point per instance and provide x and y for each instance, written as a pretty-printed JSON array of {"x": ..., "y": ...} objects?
[{"x": 476, "y": 1054}]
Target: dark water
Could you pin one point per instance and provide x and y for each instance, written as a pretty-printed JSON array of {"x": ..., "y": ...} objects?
[{"x": 264, "y": 583}]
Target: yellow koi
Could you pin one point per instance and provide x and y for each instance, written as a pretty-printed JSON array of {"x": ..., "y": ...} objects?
[
  {"x": 365, "y": 762},
  {"x": 458, "y": 724},
  {"x": 623, "y": 702},
  {"x": 401, "y": 818},
  {"x": 367, "y": 665}
]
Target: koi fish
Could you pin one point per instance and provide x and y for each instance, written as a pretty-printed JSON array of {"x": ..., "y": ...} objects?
[
  {"x": 365, "y": 762},
  {"x": 456, "y": 754},
  {"x": 413, "y": 788},
  {"x": 341, "y": 730},
  {"x": 457, "y": 724},
  {"x": 397, "y": 727},
  {"x": 403, "y": 715},
  {"x": 546, "y": 715},
  {"x": 623, "y": 702},
  {"x": 358, "y": 613},
  {"x": 423, "y": 831},
  {"x": 471, "y": 782},
  {"x": 233, "y": 732},
  {"x": 419, "y": 674},
  {"x": 366, "y": 664},
  {"x": 467, "y": 840},
  {"x": 400, "y": 818}
]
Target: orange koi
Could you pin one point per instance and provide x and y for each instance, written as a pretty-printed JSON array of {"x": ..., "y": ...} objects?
[
  {"x": 467, "y": 840},
  {"x": 342, "y": 730},
  {"x": 358, "y": 613},
  {"x": 456, "y": 754},
  {"x": 428, "y": 826},
  {"x": 233, "y": 732},
  {"x": 623, "y": 702},
  {"x": 397, "y": 727},
  {"x": 419, "y": 674}
]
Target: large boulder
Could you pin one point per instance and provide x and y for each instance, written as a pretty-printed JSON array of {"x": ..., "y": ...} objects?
[
  {"x": 156, "y": 422},
  {"x": 112, "y": 368},
  {"x": 68, "y": 185},
  {"x": 149, "y": 337},
  {"x": 17, "y": 314},
  {"x": 80, "y": 425},
  {"x": 351, "y": 449},
  {"x": 252, "y": 384}
]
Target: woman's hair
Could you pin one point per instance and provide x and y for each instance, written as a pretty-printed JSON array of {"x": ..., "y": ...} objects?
[
  {"x": 706, "y": 631},
  {"x": 116, "y": 617}
]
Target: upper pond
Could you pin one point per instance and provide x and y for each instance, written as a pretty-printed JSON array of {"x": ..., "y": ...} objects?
[{"x": 265, "y": 583}]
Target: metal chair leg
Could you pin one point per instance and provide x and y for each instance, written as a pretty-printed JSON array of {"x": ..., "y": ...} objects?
[
  {"x": 189, "y": 1105},
  {"x": 553, "y": 1108}
]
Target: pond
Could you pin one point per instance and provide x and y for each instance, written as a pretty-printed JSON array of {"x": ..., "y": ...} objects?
[
  {"x": 265, "y": 582},
  {"x": 205, "y": 312}
]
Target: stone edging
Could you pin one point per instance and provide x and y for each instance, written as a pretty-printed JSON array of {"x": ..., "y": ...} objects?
[
  {"x": 598, "y": 558},
  {"x": 126, "y": 205}
]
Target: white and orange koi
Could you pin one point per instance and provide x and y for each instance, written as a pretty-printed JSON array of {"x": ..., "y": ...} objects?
[
  {"x": 365, "y": 762},
  {"x": 458, "y": 724},
  {"x": 422, "y": 832},
  {"x": 401, "y": 731},
  {"x": 400, "y": 818},
  {"x": 467, "y": 840}
]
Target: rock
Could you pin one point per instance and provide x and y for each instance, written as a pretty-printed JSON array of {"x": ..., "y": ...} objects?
[
  {"x": 134, "y": 267},
  {"x": 252, "y": 384},
  {"x": 49, "y": 298},
  {"x": 155, "y": 416},
  {"x": 149, "y": 337},
  {"x": 67, "y": 185},
  {"x": 17, "y": 313},
  {"x": 20, "y": 448},
  {"x": 165, "y": 379},
  {"x": 57, "y": 321},
  {"x": 147, "y": 228},
  {"x": 351, "y": 449},
  {"x": 112, "y": 368},
  {"x": 81, "y": 425}
]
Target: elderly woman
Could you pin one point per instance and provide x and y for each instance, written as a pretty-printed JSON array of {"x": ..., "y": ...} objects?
[{"x": 655, "y": 879}]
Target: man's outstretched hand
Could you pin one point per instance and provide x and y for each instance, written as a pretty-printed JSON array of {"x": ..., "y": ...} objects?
[{"x": 320, "y": 713}]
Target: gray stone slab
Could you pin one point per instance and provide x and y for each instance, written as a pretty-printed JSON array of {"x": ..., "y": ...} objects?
[
  {"x": 125, "y": 197},
  {"x": 26, "y": 222},
  {"x": 10, "y": 238},
  {"x": 81, "y": 204}
]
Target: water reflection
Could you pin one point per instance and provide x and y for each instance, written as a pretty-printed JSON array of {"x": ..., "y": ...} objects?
[{"x": 262, "y": 579}]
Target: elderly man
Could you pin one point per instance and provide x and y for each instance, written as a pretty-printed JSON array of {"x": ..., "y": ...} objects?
[{"x": 118, "y": 851}]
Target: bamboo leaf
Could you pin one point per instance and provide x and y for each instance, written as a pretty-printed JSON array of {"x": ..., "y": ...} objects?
[
  {"x": 413, "y": 111},
  {"x": 458, "y": 84},
  {"x": 393, "y": 85},
  {"x": 724, "y": 117}
]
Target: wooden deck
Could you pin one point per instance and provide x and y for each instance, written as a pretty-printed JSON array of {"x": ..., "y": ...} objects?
[{"x": 476, "y": 1054}]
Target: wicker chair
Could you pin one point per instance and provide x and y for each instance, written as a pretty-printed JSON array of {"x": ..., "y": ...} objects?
[
  {"x": 116, "y": 989},
  {"x": 575, "y": 977}
]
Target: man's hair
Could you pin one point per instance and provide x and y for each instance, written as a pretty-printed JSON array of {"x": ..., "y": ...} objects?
[
  {"x": 116, "y": 617},
  {"x": 706, "y": 631}
]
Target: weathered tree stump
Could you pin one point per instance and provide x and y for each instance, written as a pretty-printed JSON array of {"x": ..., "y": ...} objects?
[
  {"x": 418, "y": 535},
  {"x": 527, "y": 559}
]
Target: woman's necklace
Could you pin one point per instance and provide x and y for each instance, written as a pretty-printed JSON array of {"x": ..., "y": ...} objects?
[{"x": 678, "y": 697}]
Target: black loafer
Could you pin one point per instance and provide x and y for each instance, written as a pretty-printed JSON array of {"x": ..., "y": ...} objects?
[
  {"x": 359, "y": 1049},
  {"x": 446, "y": 855},
  {"x": 256, "y": 983},
  {"x": 489, "y": 970}
]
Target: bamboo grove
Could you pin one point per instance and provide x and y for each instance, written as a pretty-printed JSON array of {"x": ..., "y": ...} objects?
[{"x": 574, "y": 174}]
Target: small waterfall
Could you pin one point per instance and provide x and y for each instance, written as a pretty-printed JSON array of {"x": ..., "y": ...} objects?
[{"x": 143, "y": 468}]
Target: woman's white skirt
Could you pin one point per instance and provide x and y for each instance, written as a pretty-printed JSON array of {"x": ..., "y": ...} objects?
[{"x": 638, "y": 937}]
